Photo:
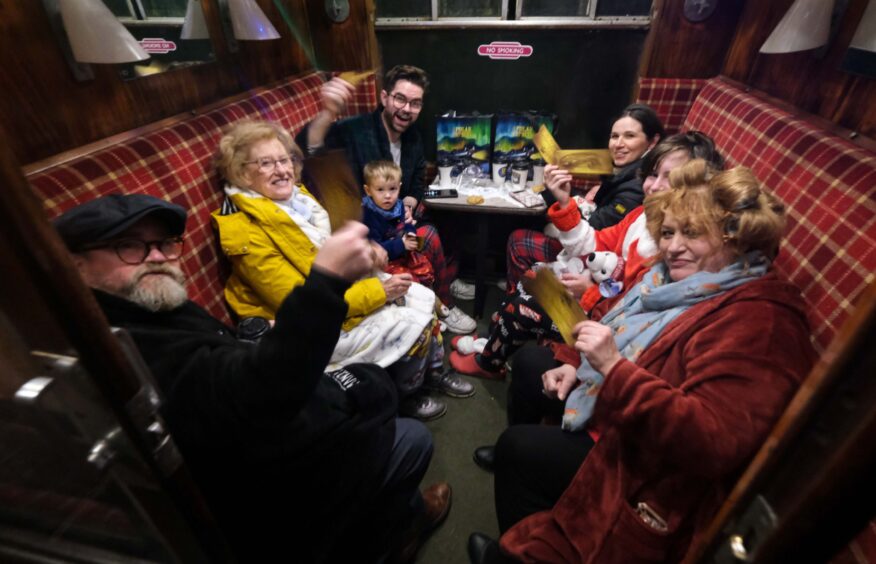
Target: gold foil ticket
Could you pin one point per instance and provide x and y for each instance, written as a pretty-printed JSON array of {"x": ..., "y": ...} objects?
[
  {"x": 355, "y": 77},
  {"x": 553, "y": 297},
  {"x": 577, "y": 161},
  {"x": 335, "y": 186}
]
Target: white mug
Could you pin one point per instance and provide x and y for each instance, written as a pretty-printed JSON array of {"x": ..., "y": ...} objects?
[
  {"x": 537, "y": 174},
  {"x": 444, "y": 176},
  {"x": 499, "y": 172}
]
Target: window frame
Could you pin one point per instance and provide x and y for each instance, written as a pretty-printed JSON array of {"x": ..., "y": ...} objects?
[{"x": 591, "y": 21}]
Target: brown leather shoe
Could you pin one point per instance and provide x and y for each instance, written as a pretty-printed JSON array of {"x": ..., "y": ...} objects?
[{"x": 436, "y": 499}]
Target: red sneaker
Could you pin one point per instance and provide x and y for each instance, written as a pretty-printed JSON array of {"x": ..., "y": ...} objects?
[{"x": 467, "y": 364}]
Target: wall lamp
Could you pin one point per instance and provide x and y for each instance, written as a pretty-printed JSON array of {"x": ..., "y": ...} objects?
[
  {"x": 194, "y": 24},
  {"x": 243, "y": 20},
  {"x": 89, "y": 33},
  {"x": 806, "y": 25}
]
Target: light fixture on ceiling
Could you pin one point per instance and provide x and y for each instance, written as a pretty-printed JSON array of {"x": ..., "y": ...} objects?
[
  {"x": 96, "y": 36},
  {"x": 249, "y": 22},
  {"x": 194, "y": 25},
  {"x": 806, "y": 25}
]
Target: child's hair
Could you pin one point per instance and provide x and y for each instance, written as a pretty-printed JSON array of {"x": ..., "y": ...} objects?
[{"x": 381, "y": 170}]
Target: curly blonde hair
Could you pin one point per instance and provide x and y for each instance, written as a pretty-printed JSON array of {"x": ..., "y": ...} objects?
[
  {"x": 235, "y": 145},
  {"x": 728, "y": 206}
]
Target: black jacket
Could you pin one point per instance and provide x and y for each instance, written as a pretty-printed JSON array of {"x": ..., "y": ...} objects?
[
  {"x": 364, "y": 139},
  {"x": 618, "y": 195},
  {"x": 283, "y": 454}
]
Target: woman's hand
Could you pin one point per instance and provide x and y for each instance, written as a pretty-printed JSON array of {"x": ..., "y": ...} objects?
[
  {"x": 410, "y": 241},
  {"x": 596, "y": 342},
  {"x": 335, "y": 95},
  {"x": 381, "y": 259},
  {"x": 347, "y": 253},
  {"x": 576, "y": 284},
  {"x": 397, "y": 286},
  {"x": 559, "y": 182},
  {"x": 559, "y": 381}
]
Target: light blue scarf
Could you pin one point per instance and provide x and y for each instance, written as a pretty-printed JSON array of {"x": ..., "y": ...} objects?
[{"x": 645, "y": 311}]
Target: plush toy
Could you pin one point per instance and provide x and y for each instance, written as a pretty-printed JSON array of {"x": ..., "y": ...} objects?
[{"x": 607, "y": 270}]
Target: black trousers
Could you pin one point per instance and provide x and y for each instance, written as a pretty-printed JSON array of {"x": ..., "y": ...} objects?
[{"x": 534, "y": 463}]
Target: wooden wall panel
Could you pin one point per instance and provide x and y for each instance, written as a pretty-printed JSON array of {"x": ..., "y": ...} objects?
[
  {"x": 49, "y": 112},
  {"x": 349, "y": 45},
  {"x": 678, "y": 48},
  {"x": 810, "y": 80}
]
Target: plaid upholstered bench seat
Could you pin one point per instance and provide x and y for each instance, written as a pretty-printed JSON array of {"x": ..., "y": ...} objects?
[
  {"x": 173, "y": 160},
  {"x": 827, "y": 183}
]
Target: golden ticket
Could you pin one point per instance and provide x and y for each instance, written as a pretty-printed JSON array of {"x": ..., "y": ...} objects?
[
  {"x": 335, "y": 186},
  {"x": 552, "y": 296},
  {"x": 355, "y": 77},
  {"x": 588, "y": 162}
]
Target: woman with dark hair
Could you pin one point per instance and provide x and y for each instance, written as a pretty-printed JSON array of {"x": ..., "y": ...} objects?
[{"x": 635, "y": 132}]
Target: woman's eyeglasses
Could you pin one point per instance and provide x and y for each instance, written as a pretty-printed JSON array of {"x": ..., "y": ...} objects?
[
  {"x": 135, "y": 251},
  {"x": 268, "y": 165}
]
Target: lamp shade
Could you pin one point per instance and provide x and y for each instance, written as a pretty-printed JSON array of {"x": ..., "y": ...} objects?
[
  {"x": 96, "y": 36},
  {"x": 806, "y": 25},
  {"x": 249, "y": 22},
  {"x": 194, "y": 26}
]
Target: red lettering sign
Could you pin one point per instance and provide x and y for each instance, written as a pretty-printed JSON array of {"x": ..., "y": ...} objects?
[
  {"x": 507, "y": 50},
  {"x": 157, "y": 45}
]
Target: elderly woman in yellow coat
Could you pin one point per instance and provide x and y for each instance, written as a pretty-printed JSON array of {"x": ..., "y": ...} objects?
[{"x": 270, "y": 228}]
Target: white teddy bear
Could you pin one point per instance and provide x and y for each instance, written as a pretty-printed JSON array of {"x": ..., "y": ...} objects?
[{"x": 607, "y": 270}]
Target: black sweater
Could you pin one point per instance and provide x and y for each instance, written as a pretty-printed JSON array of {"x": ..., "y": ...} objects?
[{"x": 263, "y": 431}]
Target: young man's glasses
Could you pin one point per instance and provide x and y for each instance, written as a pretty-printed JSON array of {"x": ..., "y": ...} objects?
[
  {"x": 268, "y": 165},
  {"x": 400, "y": 101},
  {"x": 135, "y": 251}
]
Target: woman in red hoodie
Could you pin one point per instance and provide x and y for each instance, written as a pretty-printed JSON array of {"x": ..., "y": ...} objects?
[{"x": 688, "y": 373}]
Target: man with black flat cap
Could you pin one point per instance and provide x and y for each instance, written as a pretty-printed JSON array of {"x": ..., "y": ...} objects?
[{"x": 295, "y": 463}]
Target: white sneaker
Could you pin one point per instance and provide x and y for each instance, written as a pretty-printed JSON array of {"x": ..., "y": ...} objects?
[
  {"x": 458, "y": 321},
  {"x": 462, "y": 290}
]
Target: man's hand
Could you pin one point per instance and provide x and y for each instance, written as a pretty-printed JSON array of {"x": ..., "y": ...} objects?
[
  {"x": 576, "y": 284},
  {"x": 346, "y": 254},
  {"x": 559, "y": 182},
  {"x": 336, "y": 93},
  {"x": 596, "y": 342},
  {"x": 559, "y": 381},
  {"x": 381, "y": 259},
  {"x": 410, "y": 241},
  {"x": 397, "y": 286},
  {"x": 410, "y": 202}
]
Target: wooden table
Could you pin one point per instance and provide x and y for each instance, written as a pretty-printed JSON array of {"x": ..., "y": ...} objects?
[{"x": 481, "y": 212}]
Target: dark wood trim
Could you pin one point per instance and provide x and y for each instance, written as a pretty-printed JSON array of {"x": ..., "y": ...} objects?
[{"x": 822, "y": 510}]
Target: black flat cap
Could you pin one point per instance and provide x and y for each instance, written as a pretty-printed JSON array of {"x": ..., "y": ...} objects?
[{"x": 105, "y": 217}]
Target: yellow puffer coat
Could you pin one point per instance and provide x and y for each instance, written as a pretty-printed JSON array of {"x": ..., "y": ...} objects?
[{"x": 270, "y": 255}]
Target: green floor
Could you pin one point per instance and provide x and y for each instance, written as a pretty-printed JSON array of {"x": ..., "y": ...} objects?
[{"x": 469, "y": 423}]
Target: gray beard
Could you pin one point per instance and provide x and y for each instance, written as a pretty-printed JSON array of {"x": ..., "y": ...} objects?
[{"x": 162, "y": 293}]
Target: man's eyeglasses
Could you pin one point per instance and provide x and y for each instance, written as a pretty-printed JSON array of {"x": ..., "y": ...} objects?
[
  {"x": 267, "y": 165},
  {"x": 135, "y": 251},
  {"x": 400, "y": 101}
]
